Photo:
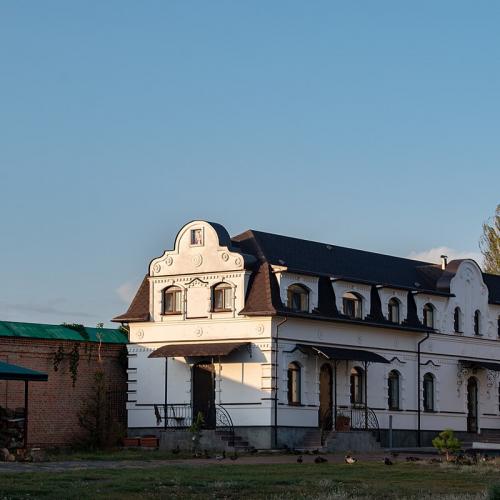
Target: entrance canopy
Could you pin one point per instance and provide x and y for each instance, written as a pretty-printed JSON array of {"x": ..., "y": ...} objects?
[
  {"x": 488, "y": 365},
  {"x": 197, "y": 350},
  {"x": 15, "y": 372},
  {"x": 340, "y": 354}
]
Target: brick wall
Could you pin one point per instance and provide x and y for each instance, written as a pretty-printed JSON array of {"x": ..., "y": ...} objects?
[{"x": 54, "y": 405}]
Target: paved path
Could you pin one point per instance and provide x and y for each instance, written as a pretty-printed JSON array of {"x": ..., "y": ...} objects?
[{"x": 151, "y": 464}]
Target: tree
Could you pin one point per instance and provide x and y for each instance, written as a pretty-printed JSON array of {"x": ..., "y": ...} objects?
[
  {"x": 490, "y": 243},
  {"x": 446, "y": 443}
]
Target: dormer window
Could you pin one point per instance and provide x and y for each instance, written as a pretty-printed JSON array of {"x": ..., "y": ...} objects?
[
  {"x": 457, "y": 320},
  {"x": 172, "y": 300},
  {"x": 222, "y": 297},
  {"x": 394, "y": 310},
  {"x": 429, "y": 315},
  {"x": 352, "y": 305},
  {"x": 298, "y": 298},
  {"x": 477, "y": 322}
]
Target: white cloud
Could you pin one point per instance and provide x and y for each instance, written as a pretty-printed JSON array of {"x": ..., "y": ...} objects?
[
  {"x": 126, "y": 292},
  {"x": 434, "y": 255}
]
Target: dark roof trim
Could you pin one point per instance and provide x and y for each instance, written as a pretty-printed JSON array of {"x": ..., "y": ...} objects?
[
  {"x": 197, "y": 350},
  {"x": 488, "y": 365},
  {"x": 138, "y": 310},
  {"x": 318, "y": 317},
  {"x": 15, "y": 372},
  {"x": 342, "y": 354}
]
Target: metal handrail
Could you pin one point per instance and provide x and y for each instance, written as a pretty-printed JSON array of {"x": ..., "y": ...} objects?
[
  {"x": 361, "y": 417},
  {"x": 224, "y": 422},
  {"x": 180, "y": 416}
]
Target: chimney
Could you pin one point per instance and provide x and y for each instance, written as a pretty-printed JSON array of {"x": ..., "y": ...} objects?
[{"x": 444, "y": 262}]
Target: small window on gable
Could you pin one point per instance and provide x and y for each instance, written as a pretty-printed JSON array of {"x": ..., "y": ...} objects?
[
  {"x": 293, "y": 384},
  {"x": 222, "y": 297},
  {"x": 394, "y": 310},
  {"x": 457, "y": 320},
  {"x": 172, "y": 300},
  {"x": 298, "y": 298},
  {"x": 352, "y": 305},
  {"x": 428, "y": 392},
  {"x": 477, "y": 322},
  {"x": 196, "y": 237},
  {"x": 429, "y": 315}
]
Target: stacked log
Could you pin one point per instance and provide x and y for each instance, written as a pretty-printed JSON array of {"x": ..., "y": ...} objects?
[{"x": 11, "y": 432}]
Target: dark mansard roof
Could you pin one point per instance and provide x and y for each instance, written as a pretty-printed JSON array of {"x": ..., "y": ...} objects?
[{"x": 328, "y": 262}]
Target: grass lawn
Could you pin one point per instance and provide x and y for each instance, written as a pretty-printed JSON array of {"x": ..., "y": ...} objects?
[{"x": 284, "y": 481}]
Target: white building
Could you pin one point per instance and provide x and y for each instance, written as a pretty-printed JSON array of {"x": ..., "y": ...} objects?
[{"x": 282, "y": 337}]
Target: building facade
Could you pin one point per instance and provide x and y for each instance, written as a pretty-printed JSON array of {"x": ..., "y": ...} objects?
[{"x": 282, "y": 337}]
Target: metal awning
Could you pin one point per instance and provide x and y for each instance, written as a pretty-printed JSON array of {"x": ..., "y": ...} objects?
[
  {"x": 341, "y": 354},
  {"x": 197, "y": 350},
  {"x": 15, "y": 372},
  {"x": 488, "y": 365}
]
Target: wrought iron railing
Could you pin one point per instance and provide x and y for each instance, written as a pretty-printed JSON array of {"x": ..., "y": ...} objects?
[
  {"x": 357, "y": 417},
  {"x": 180, "y": 416}
]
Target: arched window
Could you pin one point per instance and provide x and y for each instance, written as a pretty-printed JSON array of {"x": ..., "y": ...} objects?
[
  {"x": 172, "y": 300},
  {"x": 428, "y": 392},
  {"x": 357, "y": 383},
  {"x": 477, "y": 322},
  {"x": 457, "y": 320},
  {"x": 352, "y": 305},
  {"x": 394, "y": 310},
  {"x": 393, "y": 390},
  {"x": 298, "y": 298},
  {"x": 429, "y": 315},
  {"x": 294, "y": 384},
  {"x": 222, "y": 297}
]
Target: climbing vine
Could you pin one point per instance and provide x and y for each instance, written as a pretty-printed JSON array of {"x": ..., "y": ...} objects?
[
  {"x": 58, "y": 357},
  {"x": 74, "y": 359}
]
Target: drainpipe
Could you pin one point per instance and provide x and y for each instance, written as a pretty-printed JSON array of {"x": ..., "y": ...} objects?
[
  {"x": 418, "y": 388},
  {"x": 275, "y": 427}
]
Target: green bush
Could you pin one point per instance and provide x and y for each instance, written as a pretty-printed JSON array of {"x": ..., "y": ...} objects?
[{"x": 447, "y": 443}]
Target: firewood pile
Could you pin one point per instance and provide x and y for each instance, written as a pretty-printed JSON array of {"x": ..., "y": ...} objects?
[{"x": 11, "y": 433}]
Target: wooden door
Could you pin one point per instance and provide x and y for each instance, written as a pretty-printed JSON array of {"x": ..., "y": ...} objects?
[
  {"x": 472, "y": 405},
  {"x": 204, "y": 393},
  {"x": 325, "y": 397}
]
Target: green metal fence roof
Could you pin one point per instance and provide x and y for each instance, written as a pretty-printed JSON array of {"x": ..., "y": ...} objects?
[
  {"x": 15, "y": 372},
  {"x": 60, "y": 332}
]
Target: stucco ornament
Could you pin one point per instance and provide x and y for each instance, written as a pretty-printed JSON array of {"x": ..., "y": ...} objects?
[
  {"x": 463, "y": 374},
  {"x": 260, "y": 329},
  {"x": 169, "y": 260},
  {"x": 237, "y": 261},
  {"x": 140, "y": 334},
  {"x": 225, "y": 256},
  {"x": 198, "y": 331},
  {"x": 157, "y": 268},
  {"x": 491, "y": 379},
  {"x": 197, "y": 260}
]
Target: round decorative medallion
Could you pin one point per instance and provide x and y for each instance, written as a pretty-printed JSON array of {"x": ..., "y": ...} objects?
[
  {"x": 156, "y": 268},
  {"x": 225, "y": 257},
  {"x": 237, "y": 261},
  {"x": 260, "y": 329},
  {"x": 140, "y": 334},
  {"x": 199, "y": 331},
  {"x": 197, "y": 260},
  {"x": 169, "y": 260}
]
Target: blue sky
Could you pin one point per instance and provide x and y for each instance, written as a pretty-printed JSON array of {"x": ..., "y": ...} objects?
[{"x": 373, "y": 125}]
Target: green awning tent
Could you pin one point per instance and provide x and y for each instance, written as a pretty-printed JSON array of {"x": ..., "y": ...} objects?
[{"x": 15, "y": 372}]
